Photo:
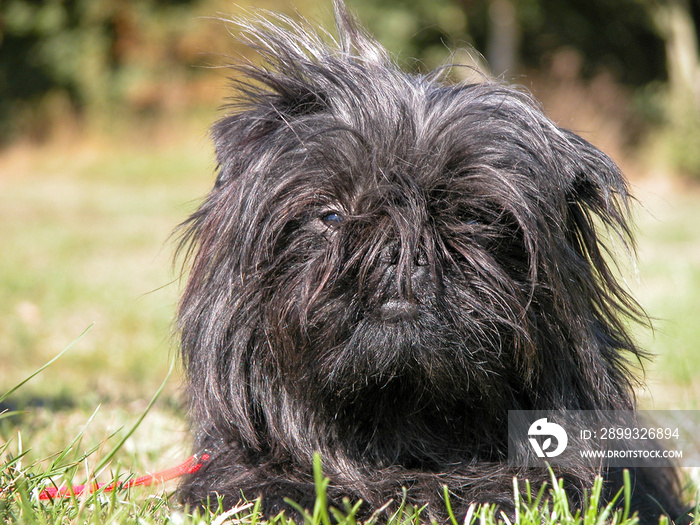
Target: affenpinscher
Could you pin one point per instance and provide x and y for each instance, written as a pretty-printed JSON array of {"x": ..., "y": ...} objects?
[{"x": 386, "y": 265}]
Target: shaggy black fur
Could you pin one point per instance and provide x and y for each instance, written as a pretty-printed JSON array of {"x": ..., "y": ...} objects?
[{"x": 386, "y": 265}]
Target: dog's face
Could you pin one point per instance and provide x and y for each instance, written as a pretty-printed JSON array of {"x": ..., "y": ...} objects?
[{"x": 370, "y": 228}]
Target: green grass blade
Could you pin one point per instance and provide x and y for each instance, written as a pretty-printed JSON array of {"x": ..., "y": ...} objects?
[
  {"x": 9, "y": 413},
  {"x": 321, "y": 507},
  {"x": 448, "y": 505},
  {"x": 62, "y": 455},
  {"x": 44, "y": 367},
  {"x": 111, "y": 454},
  {"x": 628, "y": 493}
]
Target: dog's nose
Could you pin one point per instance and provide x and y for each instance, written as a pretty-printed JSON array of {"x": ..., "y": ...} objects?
[
  {"x": 421, "y": 280},
  {"x": 391, "y": 254},
  {"x": 411, "y": 277},
  {"x": 399, "y": 309},
  {"x": 421, "y": 258}
]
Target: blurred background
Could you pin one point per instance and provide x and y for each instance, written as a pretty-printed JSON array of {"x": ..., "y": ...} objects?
[{"x": 104, "y": 112}]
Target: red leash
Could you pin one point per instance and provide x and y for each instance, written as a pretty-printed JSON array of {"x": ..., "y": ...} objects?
[{"x": 192, "y": 465}]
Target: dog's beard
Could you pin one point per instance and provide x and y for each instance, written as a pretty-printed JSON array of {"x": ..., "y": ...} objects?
[
  {"x": 431, "y": 341},
  {"x": 368, "y": 362}
]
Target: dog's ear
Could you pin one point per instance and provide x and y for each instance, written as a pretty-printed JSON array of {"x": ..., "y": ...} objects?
[
  {"x": 597, "y": 197},
  {"x": 597, "y": 229},
  {"x": 277, "y": 101}
]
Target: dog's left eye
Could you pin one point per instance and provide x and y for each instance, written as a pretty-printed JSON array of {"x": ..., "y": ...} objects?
[{"x": 332, "y": 219}]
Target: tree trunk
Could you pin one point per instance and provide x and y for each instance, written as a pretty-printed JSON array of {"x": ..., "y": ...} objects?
[{"x": 502, "y": 45}]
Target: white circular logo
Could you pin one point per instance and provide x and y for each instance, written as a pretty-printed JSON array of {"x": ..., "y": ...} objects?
[{"x": 542, "y": 427}]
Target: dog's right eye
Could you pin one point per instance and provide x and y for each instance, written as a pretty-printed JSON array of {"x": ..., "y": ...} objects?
[{"x": 332, "y": 219}]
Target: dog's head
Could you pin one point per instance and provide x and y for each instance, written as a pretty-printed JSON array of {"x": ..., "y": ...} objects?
[{"x": 369, "y": 227}]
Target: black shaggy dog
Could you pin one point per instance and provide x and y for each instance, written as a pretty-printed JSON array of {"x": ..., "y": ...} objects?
[{"x": 385, "y": 266}]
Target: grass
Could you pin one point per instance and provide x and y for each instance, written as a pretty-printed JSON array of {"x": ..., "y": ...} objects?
[
  {"x": 85, "y": 235},
  {"x": 667, "y": 284},
  {"x": 23, "y": 478}
]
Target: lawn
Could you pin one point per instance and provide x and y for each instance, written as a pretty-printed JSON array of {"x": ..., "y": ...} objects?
[
  {"x": 86, "y": 236},
  {"x": 667, "y": 284}
]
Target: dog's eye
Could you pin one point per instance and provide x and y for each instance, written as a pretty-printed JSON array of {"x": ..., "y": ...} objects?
[{"x": 332, "y": 219}]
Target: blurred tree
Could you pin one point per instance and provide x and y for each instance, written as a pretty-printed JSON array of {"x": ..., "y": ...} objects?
[
  {"x": 423, "y": 31},
  {"x": 619, "y": 36},
  {"x": 102, "y": 56},
  {"x": 677, "y": 21},
  {"x": 503, "y": 38},
  {"x": 676, "y": 24},
  {"x": 80, "y": 53}
]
